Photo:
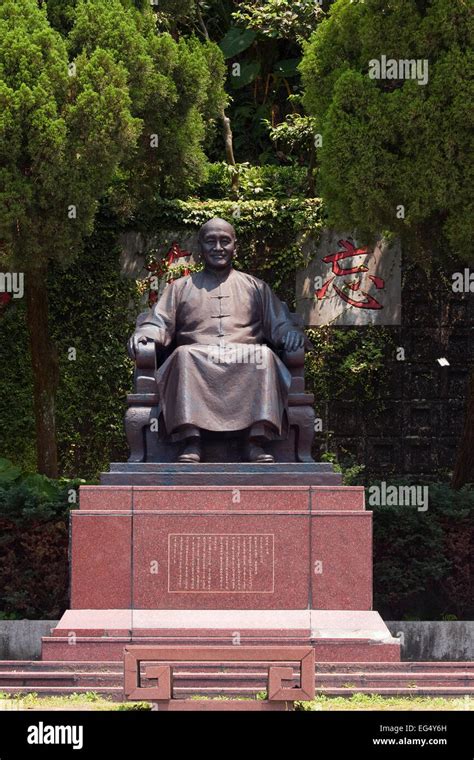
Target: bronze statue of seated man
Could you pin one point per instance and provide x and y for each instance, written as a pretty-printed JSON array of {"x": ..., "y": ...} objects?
[{"x": 224, "y": 374}]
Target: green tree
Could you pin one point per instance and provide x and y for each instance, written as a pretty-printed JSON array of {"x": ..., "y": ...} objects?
[
  {"x": 176, "y": 89},
  {"x": 396, "y": 154},
  {"x": 61, "y": 139},
  {"x": 77, "y": 113}
]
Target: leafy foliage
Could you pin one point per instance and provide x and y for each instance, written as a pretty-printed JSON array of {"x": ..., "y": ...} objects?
[
  {"x": 295, "y": 134},
  {"x": 423, "y": 561},
  {"x": 289, "y": 19},
  {"x": 61, "y": 136},
  {"x": 34, "y": 513},
  {"x": 236, "y": 41},
  {"x": 348, "y": 362},
  {"x": 255, "y": 182},
  {"x": 65, "y": 132},
  {"x": 176, "y": 90},
  {"x": 395, "y": 143},
  {"x": 99, "y": 308}
]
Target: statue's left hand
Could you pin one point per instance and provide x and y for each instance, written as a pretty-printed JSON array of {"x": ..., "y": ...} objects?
[
  {"x": 132, "y": 345},
  {"x": 293, "y": 340}
]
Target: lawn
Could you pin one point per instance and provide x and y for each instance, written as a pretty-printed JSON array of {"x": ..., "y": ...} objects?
[{"x": 92, "y": 701}]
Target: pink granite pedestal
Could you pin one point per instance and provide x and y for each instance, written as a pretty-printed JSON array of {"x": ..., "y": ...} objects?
[{"x": 184, "y": 564}]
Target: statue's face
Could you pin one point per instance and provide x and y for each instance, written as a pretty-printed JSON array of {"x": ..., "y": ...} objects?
[{"x": 217, "y": 244}]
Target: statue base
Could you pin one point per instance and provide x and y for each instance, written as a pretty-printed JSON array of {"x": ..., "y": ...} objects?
[
  {"x": 335, "y": 635},
  {"x": 226, "y": 563},
  {"x": 218, "y": 474}
]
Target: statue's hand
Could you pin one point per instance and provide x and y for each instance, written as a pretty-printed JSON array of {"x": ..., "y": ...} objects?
[
  {"x": 132, "y": 345},
  {"x": 293, "y": 340}
]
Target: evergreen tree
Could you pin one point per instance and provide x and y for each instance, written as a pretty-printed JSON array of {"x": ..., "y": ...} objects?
[{"x": 76, "y": 112}]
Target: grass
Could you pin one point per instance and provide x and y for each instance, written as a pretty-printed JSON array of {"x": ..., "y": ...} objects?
[
  {"x": 88, "y": 701},
  {"x": 93, "y": 701},
  {"x": 377, "y": 702}
]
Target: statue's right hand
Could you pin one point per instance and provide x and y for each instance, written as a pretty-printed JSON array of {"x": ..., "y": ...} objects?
[{"x": 132, "y": 346}]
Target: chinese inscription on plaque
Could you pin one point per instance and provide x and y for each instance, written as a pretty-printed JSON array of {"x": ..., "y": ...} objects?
[{"x": 221, "y": 562}]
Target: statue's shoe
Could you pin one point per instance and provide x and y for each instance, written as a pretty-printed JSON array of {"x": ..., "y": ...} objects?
[
  {"x": 192, "y": 452},
  {"x": 255, "y": 453}
]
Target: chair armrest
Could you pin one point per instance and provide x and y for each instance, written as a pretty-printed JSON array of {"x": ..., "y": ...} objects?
[
  {"x": 145, "y": 356},
  {"x": 293, "y": 359}
]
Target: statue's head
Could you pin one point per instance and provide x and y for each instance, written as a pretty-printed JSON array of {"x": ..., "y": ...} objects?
[{"x": 217, "y": 243}]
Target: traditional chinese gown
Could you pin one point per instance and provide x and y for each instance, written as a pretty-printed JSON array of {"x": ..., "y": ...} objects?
[{"x": 219, "y": 391}]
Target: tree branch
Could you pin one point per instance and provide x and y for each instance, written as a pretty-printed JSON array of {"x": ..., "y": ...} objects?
[{"x": 226, "y": 125}]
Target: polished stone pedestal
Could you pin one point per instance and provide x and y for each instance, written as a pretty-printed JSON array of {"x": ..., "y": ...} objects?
[
  {"x": 227, "y": 563},
  {"x": 336, "y": 636}
]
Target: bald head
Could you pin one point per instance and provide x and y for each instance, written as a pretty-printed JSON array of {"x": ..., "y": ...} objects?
[
  {"x": 217, "y": 244},
  {"x": 216, "y": 224}
]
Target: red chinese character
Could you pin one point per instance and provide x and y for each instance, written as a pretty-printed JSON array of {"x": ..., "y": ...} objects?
[
  {"x": 175, "y": 252},
  {"x": 354, "y": 285}
]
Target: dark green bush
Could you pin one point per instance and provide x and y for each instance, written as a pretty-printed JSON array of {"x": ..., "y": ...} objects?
[
  {"x": 34, "y": 537},
  {"x": 424, "y": 561},
  {"x": 92, "y": 310}
]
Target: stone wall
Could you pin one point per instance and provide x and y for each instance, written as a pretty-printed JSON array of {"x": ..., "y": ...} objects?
[
  {"x": 434, "y": 640},
  {"x": 418, "y": 430},
  {"x": 21, "y": 639}
]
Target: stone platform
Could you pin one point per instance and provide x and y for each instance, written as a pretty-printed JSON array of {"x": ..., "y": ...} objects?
[
  {"x": 219, "y": 474},
  {"x": 181, "y": 565},
  {"x": 336, "y": 636}
]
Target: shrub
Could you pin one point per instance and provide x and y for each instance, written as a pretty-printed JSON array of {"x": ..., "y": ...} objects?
[{"x": 34, "y": 512}]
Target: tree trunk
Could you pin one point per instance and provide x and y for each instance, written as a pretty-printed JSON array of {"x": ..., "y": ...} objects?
[
  {"x": 229, "y": 149},
  {"x": 464, "y": 466},
  {"x": 45, "y": 370},
  {"x": 226, "y": 126}
]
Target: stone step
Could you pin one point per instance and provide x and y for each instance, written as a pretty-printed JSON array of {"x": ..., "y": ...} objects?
[
  {"x": 338, "y": 668},
  {"x": 111, "y": 648},
  {"x": 28, "y": 676},
  {"x": 403, "y": 666},
  {"x": 185, "y": 672},
  {"x": 461, "y": 678},
  {"x": 221, "y": 474},
  {"x": 219, "y": 478},
  {"x": 400, "y": 691},
  {"x": 438, "y": 691},
  {"x": 90, "y": 681},
  {"x": 243, "y": 467},
  {"x": 39, "y": 666}
]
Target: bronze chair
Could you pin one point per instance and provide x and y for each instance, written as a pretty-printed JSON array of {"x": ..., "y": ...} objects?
[{"x": 142, "y": 415}]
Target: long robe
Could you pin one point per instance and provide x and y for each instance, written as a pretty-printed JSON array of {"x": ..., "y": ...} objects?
[{"x": 222, "y": 374}]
